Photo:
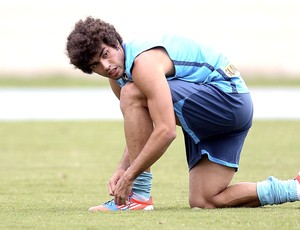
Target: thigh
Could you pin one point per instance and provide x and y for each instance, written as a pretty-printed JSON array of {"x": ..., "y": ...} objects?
[{"x": 206, "y": 180}]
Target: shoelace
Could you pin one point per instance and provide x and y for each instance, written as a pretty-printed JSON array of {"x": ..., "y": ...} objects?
[{"x": 112, "y": 202}]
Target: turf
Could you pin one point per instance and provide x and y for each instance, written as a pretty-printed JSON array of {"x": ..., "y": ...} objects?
[
  {"x": 53, "y": 81},
  {"x": 52, "y": 172},
  {"x": 93, "y": 80}
]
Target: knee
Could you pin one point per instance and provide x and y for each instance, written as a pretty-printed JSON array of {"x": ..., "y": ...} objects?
[
  {"x": 201, "y": 203},
  {"x": 131, "y": 96}
]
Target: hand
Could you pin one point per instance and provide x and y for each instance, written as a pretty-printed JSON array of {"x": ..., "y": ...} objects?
[
  {"x": 114, "y": 180},
  {"x": 122, "y": 190}
]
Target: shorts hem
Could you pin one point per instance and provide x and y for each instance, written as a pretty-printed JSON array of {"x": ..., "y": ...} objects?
[{"x": 212, "y": 159}]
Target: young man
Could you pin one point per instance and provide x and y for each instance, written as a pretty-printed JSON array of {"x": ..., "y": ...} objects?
[{"x": 169, "y": 80}]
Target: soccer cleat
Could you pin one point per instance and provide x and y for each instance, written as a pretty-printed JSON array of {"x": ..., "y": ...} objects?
[
  {"x": 298, "y": 177},
  {"x": 298, "y": 185},
  {"x": 132, "y": 204}
]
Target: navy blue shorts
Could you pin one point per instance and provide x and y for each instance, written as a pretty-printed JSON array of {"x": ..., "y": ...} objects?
[{"x": 214, "y": 123}]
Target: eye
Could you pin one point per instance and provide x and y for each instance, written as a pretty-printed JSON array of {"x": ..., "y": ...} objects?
[{"x": 105, "y": 54}]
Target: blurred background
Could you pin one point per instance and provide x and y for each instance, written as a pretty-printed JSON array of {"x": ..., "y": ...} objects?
[
  {"x": 259, "y": 36},
  {"x": 51, "y": 172}
]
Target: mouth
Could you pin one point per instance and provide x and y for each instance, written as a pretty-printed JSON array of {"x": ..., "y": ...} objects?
[{"x": 113, "y": 72}]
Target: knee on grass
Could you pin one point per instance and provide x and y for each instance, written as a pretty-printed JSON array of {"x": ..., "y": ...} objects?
[{"x": 201, "y": 203}]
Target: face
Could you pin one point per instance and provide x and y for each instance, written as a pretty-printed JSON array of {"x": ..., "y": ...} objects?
[{"x": 109, "y": 62}]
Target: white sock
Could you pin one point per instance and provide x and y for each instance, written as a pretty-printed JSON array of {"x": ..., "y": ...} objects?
[{"x": 139, "y": 197}]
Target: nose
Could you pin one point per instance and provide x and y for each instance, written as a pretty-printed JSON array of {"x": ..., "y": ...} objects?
[{"x": 105, "y": 64}]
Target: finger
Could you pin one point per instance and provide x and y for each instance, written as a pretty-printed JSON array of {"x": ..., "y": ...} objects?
[
  {"x": 117, "y": 201},
  {"x": 111, "y": 191},
  {"x": 120, "y": 200},
  {"x": 111, "y": 188}
]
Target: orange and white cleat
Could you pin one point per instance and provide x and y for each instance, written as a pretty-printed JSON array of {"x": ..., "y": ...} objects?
[
  {"x": 298, "y": 185},
  {"x": 298, "y": 177},
  {"x": 132, "y": 204}
]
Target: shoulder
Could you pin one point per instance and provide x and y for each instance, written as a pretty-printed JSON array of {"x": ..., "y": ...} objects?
[
  {"x": 133, "y": 48},
  {"x": 143, "y": 43}
]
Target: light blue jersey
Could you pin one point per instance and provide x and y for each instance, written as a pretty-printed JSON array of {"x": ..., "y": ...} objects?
[
  {"x": 215, "y": 113},
  {"x": 193, "y": 62}
]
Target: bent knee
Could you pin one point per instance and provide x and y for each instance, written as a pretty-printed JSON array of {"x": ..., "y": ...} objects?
[
  {"x": 201, "y": 203},
  {"x": 131, "y": 95}
]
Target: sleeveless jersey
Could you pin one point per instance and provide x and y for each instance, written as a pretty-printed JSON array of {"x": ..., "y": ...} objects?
[{"x": 193, "y": 62}]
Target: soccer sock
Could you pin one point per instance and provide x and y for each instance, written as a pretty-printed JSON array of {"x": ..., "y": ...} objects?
[
  {"x": 142, "y": 186},
  {"x": 274, "y": 191}
]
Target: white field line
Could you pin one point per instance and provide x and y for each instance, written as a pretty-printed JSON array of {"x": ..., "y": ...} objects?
[{"x": 99, "y": 104}]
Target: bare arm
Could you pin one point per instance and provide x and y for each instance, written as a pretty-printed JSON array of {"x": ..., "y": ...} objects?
[
  {"x": 115, "y": 88},
  {"x": 124, "y": 162},
  {"x": 150, "y": 69},
  {"x": 119, "y": 172}
]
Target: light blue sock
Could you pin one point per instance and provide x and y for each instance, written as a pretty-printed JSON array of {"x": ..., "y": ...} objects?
[
  {"x": 274, "y": 191},
  {"x": 142, "y": 186}
]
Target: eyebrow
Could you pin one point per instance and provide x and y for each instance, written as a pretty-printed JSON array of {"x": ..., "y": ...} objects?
[
  {"x": 96, "y": 62},
  {"x": 101, "y": 51}
]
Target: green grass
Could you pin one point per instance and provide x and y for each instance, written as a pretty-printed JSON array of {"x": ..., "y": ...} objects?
[
  {"x": 272, "y": 81},
  {"x": 84, "y": 80},
  {"x": 52, "y": 172},
  {"x": 53, "y": 81}
]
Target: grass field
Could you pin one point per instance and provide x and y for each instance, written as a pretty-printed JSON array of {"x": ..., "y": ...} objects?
[
  {"x": 52, "y": 172},
  {"x": 85, "y": 80}
]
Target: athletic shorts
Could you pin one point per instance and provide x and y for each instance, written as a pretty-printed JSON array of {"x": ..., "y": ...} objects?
[{"x": 214, "y": 123}]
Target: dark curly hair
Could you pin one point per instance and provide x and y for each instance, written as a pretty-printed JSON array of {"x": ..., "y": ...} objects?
[{"x": 85, "y": 40}]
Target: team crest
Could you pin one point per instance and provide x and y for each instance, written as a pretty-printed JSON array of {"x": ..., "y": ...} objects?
[{"x": 231, "y": 71}]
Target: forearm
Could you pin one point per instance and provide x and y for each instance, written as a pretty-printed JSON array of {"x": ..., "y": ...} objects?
[
  {"x": 124, "y": 162},
  {"x": 155, "y": 147}
]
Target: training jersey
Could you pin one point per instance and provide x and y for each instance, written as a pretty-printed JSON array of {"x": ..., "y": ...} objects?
[{"x": 193, "y": 62}]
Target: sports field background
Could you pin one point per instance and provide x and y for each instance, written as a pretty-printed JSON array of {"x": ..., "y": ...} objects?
[
  {"x": 258, "y": 36},
  {"x": 51, "y": 172}
]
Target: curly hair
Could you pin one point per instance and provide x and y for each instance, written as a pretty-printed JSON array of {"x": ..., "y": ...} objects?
[{"x": 85, "y": 40}]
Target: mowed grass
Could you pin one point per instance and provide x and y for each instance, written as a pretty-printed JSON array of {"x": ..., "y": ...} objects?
[
  {"x": 96, "y": 81},
  {"x": 52, "y": 172}
]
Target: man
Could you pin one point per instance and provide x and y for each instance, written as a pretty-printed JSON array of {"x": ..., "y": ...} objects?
[{"x": 169, "y": 80}]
